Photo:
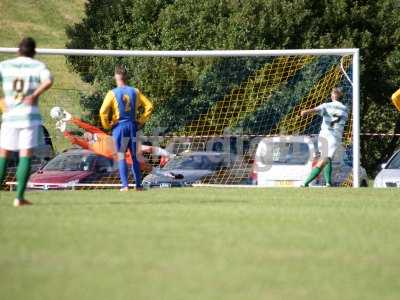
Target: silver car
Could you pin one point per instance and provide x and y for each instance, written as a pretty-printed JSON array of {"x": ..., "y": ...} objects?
[
  {"x": 389, "y": 176},
  {"x": 187, "y": 168}
]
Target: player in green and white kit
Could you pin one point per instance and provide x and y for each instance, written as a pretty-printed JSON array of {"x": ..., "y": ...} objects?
[
  {"x": 334, "y": 117},
  {"x": 23, "y": 80}
]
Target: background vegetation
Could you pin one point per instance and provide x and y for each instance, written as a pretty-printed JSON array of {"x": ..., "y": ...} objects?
[
  {"x": 371, "y": 26},
  {"x": 45, "y": 20}
]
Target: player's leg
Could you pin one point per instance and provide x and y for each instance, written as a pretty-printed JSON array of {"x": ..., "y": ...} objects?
[
  {"x": 22, "y": 175},
  {"x": 123, "y": 171},
  {"x": 328, "y": 172},
  {"x": 28, "y": 138},
  {"x": 133, "y": 148},
  {"x": 317, "y": 168},
  {"x": 7, "y": 141},
  {"x": 120, "y": 145},
  {"x": 3, "y": 164},
  {"x": 315, "y": 172},
  {"x": 333, "y": 144}
]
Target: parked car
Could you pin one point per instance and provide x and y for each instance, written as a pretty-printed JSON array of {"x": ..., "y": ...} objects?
[
  {"x": 187, "y": 168},
  {"x": 72, "y": 167},
  {"x": 286, "y": 161},
  {"x": 389, "y": 176}
]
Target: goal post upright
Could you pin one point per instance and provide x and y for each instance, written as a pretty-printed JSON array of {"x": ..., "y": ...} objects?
[
  {"x": 238, "y": 53},
  {"x": 356, "y": 118}
]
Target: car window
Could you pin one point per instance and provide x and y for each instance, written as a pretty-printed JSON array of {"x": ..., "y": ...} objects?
[
  {"x": 104, "y": 164},
  {"x": 192, "y": 162},
  {"x": 40, "y": 155},
  {"x": 394, "y": 162},
  {"x": 70, "y": 162},
  {"x": 348, "y": 156},
  {"x": 290, "y": 153}
]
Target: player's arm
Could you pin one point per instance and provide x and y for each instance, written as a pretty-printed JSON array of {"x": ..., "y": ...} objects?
[
  {"x": 105, "y": 110},
  {"x": 46, "y": 81},
  {"x": 316, "y": 110},
  {"x": 396, "y": 99},
  {"x": 306, "y": 112},
  {"x": 2, "y": 105},
  {"x": 86, "y": 126},
  {"x": 147, "y": 107},
  {"x": 2, "y": 101}
]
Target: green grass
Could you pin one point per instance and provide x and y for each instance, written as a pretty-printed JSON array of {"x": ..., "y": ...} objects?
[
  {"x": 202, "y": 244},
  {"x": 45, "y": 20}
]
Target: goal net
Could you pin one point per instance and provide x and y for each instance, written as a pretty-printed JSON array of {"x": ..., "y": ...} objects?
[{"x": 213, "y": 101}]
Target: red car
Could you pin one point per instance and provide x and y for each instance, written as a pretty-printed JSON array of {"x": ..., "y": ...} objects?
[{"x": 72, "y": 167}]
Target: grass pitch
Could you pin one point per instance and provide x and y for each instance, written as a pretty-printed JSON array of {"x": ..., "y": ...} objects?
[{"x": 202, "y": 243}]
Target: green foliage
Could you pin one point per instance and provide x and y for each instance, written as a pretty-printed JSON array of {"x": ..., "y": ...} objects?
[
  {"x": 369, "y": 25},
  {"x": 283, "y": 100}
]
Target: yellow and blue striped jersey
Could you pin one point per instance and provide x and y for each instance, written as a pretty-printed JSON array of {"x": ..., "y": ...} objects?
[{"x": 124, "y": 103}]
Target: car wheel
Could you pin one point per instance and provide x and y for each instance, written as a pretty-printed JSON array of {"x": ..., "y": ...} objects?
[{"x": 364, "y": 184}]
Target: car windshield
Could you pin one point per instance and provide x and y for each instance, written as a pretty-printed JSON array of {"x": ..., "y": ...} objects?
[
  {"x": 395, "y": 162},
  {"x": 193, "y": 162},
  {"x": 290, "y": 153},
  {"x": 70, "y": 162}
]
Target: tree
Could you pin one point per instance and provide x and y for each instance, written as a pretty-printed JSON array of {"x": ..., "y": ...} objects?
[{"x": 369, "y": 25}]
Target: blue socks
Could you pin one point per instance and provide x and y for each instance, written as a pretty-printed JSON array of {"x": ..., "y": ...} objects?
[
  {"x": 123, "y": 172},
  {"x": 136, "y": 173}
]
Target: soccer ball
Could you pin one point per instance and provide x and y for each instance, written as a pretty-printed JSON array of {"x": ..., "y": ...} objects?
[{"x": 57, "y": 113}]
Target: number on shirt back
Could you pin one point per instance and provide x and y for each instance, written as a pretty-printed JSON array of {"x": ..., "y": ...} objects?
[
  {"x": 18, "y": 88},
  {"x": 335, "y": 120},
  {"x": 127, "y": 103}
]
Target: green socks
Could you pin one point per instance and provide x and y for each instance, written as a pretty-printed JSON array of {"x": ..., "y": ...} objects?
[
  {"x": 328, "y": 173},
  {"x": 23, "y": 170},
  {"x": 313, "y": 175},
  {"x": 3, "y": 168}
]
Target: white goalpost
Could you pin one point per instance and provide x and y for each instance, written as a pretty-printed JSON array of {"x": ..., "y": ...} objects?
[{"x": 353, "y": 79}]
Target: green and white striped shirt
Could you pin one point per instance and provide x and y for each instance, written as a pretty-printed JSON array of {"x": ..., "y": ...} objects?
[
  {"x": 334, "y": 117},
  {"x": 20, "y": 77}
]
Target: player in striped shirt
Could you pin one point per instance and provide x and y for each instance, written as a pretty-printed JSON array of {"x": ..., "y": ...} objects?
[
  {"x": 334, "y": 117},
  {"x": 23, "y": 80}
]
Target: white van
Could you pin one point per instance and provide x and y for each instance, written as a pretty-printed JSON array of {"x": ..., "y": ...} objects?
[{"x": 286, "y": 161}]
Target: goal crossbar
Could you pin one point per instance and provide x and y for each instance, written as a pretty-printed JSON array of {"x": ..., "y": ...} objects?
[{"x": 184, "y": 53}]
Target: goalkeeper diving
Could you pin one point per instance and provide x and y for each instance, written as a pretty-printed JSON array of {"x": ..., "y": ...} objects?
[{"x": 100, "y": 142}]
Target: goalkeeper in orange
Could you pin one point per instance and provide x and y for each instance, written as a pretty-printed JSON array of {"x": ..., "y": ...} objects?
[{"x": 102, "y": 143}]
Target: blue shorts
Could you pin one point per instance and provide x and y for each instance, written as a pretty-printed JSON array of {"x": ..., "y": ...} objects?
[{"x": 124, "y": 134}]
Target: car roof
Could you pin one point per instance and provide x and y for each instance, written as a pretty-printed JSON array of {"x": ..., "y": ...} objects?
[
  {"x": 202, "y": 153},
  {"x": 392, "y": 156},
  {"x": 289, "y": 138},
  {"x": 79, "y": 152}
]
